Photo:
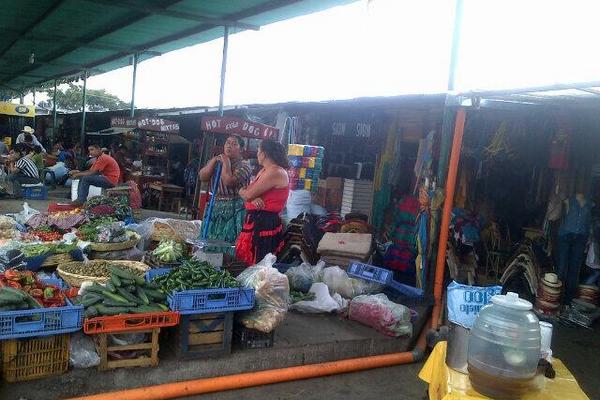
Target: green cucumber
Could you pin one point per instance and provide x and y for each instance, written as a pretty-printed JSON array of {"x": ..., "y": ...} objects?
[
  {"x": 121, "y": 273},
  {"x": 128, "y": 296},
  {"x": 110, "y": 286},
  {"x": 155, "y": 294},
  {"x": 146, "y": 309},
  {"x": 114, "y": 297},
  {"x": 11, "y": 295},
  {"x": 112, "y": 303},
  {"x": 115, "y": 280},
  {"x": 91, "y": 312},
  {"x": 89, "y": 299},
  {"x": 142, "y": 295},
  {"x": 104, "y": 310},
  {"x": 96, "y": 288}
]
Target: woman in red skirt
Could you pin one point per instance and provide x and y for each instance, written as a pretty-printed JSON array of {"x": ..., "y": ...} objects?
[{"x": 265, "y": 198}]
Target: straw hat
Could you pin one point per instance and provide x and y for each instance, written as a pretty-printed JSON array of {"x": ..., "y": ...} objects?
[
  {"x": 551, "y": 280},
  {"x": 28, "y": 129}
]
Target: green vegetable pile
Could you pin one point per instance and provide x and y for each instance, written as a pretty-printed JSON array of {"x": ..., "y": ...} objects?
[
  {"x": 168, "y": 251},
  {"x": 34, "y": 250},
  {"x": 296, "y": 296},
  {"x": 124, "y": 293},
  {"x": 90, "y": 230},
  {"x": 193, "y": 274},
  {"x": 15, "y": 299}
]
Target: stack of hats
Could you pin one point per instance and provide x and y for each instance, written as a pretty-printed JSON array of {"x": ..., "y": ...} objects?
[
  {"x": 306, "y": 163},
  {"x": 589, "y": 294},
  {"x": 548, "y": 295},
  {"x": 342, "y": 248}
]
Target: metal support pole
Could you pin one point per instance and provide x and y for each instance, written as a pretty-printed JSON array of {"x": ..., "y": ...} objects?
[
  {"x": 83, "y": 102},
  {"x": 455, "y": 44},
  {"x": 440, "y": 267},
  {"x": 135, "y": 62},
  {"x": 33, "y": 92},
  {"x": 223, "y": 68},
  {"x": 54, "y": 113}
]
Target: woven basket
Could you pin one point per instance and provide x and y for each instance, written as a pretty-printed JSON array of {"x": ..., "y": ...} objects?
[
  {"x": 74, "y": 279},
  {"x": 57, "y": 259},
  {"x": 135, "y": 238}
]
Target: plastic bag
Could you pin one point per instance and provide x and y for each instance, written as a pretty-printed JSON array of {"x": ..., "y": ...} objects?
[
  {"x": 338, "y": 281},
  {"x": 378, "y": 312},
  {"x": 82, "y": 352},
  {"x": 323, "y": 302},
  {"x": 156, "y": 229},
  {"x": 24, "y": 215},
  {"x": 304, "y": 275},
  {"x": 272, "y": 292}
]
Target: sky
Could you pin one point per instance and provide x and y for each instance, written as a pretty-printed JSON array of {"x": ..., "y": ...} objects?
[{"x": 377, "y": 48}]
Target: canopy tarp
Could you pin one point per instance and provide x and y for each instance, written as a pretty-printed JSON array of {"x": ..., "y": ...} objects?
[{"x": 43, "y": 40}]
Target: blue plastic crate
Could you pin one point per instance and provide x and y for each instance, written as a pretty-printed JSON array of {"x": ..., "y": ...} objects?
[
  {"x": 370, "y": 273},
  {"x": 202, "y": 301},
  {"x": 41, "y": 321},
  {"x": 35, "y": 192},
  {"x": 405, "y": 290}
]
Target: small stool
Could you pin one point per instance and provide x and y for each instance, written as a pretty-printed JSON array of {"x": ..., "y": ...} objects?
[
  {"x": 43, "y": 175},
  {"x": 35, "y": 192}
]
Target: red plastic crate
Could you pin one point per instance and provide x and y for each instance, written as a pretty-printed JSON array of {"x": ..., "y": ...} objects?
[{"x": 130, "y": 322}]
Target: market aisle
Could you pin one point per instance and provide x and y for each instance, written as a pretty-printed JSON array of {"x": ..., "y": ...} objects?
[{"x": 397, "y": 383}]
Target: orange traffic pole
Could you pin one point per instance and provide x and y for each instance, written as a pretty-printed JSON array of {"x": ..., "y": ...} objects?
[{"x": 440, "y": 267}]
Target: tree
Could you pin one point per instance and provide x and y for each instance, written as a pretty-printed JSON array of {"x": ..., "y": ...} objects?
[{"x": 71, "y": 98}]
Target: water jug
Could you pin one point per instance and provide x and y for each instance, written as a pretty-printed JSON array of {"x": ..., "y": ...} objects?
[{"x": 504, "y": 348}]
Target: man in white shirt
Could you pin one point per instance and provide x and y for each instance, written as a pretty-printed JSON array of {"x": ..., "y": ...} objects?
[{"x": 21, "y": 137}]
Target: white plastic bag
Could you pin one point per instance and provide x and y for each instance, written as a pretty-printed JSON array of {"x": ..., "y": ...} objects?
[
  {"x": 378, "y": 312},
  {"x": 323, "y": 302},
  {"x": 24, "y": 215},
  {"x": 338, "y": 281},
  {"x": 304, "y": 275},
  {"x": 82, "y": 352},
  {"x": 272, "y": 292}
]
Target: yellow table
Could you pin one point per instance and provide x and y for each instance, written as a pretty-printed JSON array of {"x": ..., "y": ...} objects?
[{"x": 447, "y": 384}]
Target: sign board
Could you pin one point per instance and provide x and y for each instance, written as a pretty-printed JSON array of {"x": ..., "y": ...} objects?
[
  {"x": 123, "y": 122},
  {"x": 158, "y": 125},
  {"x": 20, "y": 110},
  {"x": 241, "y": 127}
]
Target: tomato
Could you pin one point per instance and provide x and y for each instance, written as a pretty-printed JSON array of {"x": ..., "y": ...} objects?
[
  {"x": 14, "y": 284},
  {"x": 12, "y": 275}
]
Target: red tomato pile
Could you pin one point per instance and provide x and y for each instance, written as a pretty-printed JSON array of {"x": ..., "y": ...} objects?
[{"x": 46, "y": 295}]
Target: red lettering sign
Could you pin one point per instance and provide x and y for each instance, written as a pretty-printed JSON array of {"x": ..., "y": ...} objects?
[{"x": 238, "y": 126}]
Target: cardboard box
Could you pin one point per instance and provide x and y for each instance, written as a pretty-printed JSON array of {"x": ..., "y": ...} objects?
[{"x": 329, "y": 194}]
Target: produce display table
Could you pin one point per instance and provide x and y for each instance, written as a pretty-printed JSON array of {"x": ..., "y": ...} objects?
[
  {"x": 165, "y": 191},
  {"x": 447, "y": 384}
]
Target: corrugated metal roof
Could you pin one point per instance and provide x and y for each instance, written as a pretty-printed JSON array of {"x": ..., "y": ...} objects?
[{"x": 69, "y": 36}]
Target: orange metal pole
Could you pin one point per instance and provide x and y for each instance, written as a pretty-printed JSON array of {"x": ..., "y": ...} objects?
[{"x": 440, "y": 267}]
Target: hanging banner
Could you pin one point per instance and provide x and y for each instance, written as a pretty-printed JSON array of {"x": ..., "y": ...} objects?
[
  {"x": 123, "y": 122},
  {"x": 158, "y": 125},
  {"x": 20, "y": 110},
  {"x": 241, "y": 127}
]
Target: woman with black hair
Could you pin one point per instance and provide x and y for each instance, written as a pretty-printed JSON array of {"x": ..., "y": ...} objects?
[
  {"x": 228, "y": 211},
  {"x": 265, "y": 198}
]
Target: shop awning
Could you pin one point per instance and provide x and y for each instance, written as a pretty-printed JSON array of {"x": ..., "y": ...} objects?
[{"x": 43, "y": 40}]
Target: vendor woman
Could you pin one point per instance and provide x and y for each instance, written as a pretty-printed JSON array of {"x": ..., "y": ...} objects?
[
  {"x": 228, "y": 210},
  {"x": 265, "y": 198}
]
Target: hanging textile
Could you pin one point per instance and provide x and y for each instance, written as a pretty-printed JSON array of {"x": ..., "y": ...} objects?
[{"x": 422, "y": 238}]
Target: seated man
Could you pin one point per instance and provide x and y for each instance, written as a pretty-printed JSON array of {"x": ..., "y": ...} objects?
[
  {"x": 22, "y": 169},
  {"x": 104, "y": 173}
]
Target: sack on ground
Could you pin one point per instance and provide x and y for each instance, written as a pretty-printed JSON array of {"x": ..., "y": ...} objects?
[
  {"x": 338, "y": 281},
  {"x": 323, "y": 302},
  {"x": 378, "y": 312},
  {"x": 304, "y": 275}
]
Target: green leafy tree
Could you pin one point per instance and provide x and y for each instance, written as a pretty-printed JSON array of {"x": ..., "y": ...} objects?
[{"x": 70, "y": 99}]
